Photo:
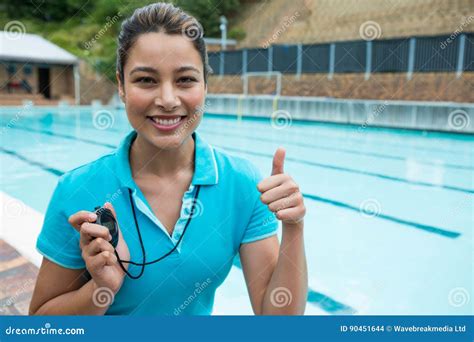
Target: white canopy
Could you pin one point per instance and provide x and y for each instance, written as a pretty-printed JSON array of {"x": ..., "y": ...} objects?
[{"x": 32, "y": 48}]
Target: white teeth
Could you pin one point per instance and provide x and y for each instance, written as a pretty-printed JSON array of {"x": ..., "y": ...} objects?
[{"x": 166, "y": 122}]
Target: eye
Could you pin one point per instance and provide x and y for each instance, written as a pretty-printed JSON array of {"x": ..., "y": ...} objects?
[
  {"x": 145, "y": 80},
  {"x": 187, "y": 79}
]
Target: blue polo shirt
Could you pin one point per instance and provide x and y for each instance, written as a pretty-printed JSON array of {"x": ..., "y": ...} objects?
[{"x": 228, "y": 212}]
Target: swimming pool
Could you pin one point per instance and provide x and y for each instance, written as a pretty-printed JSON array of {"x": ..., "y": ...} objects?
[{"x": 389, "y": 212}]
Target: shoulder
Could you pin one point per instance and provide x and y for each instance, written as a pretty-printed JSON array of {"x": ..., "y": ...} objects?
[
  {"x": 92, "y": 171},
  {"x": 237, "y": 167}
]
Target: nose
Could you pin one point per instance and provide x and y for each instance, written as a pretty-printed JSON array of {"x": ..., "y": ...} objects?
[{"x": 166, "y": 98}]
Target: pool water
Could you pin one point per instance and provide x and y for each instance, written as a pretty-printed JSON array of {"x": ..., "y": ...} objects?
[{"x": 390, "y": 213}]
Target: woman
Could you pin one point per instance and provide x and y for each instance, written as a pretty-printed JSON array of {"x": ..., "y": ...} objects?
[{"x": 176, "y": 199}]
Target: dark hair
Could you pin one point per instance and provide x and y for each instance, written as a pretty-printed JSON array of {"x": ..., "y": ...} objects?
[{"x": 160, "y": 17}]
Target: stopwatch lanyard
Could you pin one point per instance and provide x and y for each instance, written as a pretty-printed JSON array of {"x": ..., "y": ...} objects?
[{"x": 144, "y": 263}]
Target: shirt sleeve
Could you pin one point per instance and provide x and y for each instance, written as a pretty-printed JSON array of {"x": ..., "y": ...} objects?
[
  {"x": 58, "y": 240},
  {"x": 263, "y": 223}
]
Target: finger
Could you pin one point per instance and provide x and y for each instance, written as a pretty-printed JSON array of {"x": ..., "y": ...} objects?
[
  {"x": 85, "y": 239},
  {"x": 112, "y": 259},
  {"x": 100, "y": 260},
  {"x": 80, "y": 217},
  {"x": 97, "y": 246},
  {"x": 278, "y": 161},
  {"x": 291, "y": 215},
  {"x": 278, "y": 192},
  {"x": 286, "y": 202},
  {"x": 271, "y": 182},
  {"x": 90, "y": 231}
]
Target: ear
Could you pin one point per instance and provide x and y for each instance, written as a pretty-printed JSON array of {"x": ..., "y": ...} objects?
[{"x": 121, "y": 89}]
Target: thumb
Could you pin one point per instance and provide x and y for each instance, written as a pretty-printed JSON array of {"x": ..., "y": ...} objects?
[{"x": 278, "y": 161}]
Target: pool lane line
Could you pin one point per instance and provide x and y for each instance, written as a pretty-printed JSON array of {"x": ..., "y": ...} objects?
[
  {"x": 296, "y": 160},
  {"x": 65, "y": 136},
  {"x": 431, "y": 229},
  {"x": 344, "y": 150},
  {"x": 321, "y": 124},
  {"x": 300, "y": 144},
  {"x": 42, "y": 166},
  {"x": 354, "y": 171},
  {"x": 324, "y": 134}
]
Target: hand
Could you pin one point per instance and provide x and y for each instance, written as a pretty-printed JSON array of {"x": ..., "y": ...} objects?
[
  {"x": 97, "y": 252},
  {"x": 281, "y": 193}
]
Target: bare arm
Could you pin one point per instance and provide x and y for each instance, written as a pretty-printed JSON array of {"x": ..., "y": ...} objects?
[
  {"x": 63, "y": 291},
  {"x": 276, "y": 276}
]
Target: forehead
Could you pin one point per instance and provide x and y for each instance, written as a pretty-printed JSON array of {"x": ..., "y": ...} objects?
[{"x": 163, "y": 51}]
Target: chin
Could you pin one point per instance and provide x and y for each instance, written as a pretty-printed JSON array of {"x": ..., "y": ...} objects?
[{"x": 169, "y": 141}]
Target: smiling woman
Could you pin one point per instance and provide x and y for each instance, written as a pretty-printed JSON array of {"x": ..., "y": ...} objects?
[{"x": 184, "y": 209}]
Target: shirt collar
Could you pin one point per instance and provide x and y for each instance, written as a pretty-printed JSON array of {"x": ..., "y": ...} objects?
[{"x": 205, "y": 164}]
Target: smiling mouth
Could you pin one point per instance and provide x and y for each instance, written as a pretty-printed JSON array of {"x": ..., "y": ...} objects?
[{"x": 166, "y": 122}]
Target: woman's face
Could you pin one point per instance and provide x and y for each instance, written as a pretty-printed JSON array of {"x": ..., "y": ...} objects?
[{"x": 163, "y": 88}]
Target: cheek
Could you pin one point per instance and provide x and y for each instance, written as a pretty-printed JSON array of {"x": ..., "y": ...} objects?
[
  {"x": 138, "y": 98},
  {"x": 195, "y": 98},
  {"x": 137, "y": 102}
]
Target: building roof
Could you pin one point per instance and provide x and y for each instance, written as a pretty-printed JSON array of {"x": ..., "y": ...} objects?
[{"x": 32, "y": 48}]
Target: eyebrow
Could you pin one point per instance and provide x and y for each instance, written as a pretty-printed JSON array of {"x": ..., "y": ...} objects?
[{"x": 154, "y": 71}]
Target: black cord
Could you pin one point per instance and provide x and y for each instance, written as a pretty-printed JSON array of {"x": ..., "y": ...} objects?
[{"x": 144, "y": 263}]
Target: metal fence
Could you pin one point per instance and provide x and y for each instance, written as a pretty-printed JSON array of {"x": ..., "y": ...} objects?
[{"x": 453, "y": 53}]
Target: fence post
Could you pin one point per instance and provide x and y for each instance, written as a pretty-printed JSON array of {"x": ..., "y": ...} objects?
[
  {"x": 368, "y": 59},
  {"x": 462, "y": 46},
  {"x": 244, "y": 61},
  {"x": 270, "y": 60},
  {"x": 299, "y": 60},
  {"x": 411, "y": 58},
  {"x": 221, "y": 64},
  {"x": 332, "y": 57}
]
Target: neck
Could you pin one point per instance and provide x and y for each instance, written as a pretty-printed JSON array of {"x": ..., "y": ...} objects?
[{"x": 147, "y": 159}]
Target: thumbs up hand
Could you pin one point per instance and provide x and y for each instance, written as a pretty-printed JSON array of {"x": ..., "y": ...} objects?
[{"x": 281, "y": 193}]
